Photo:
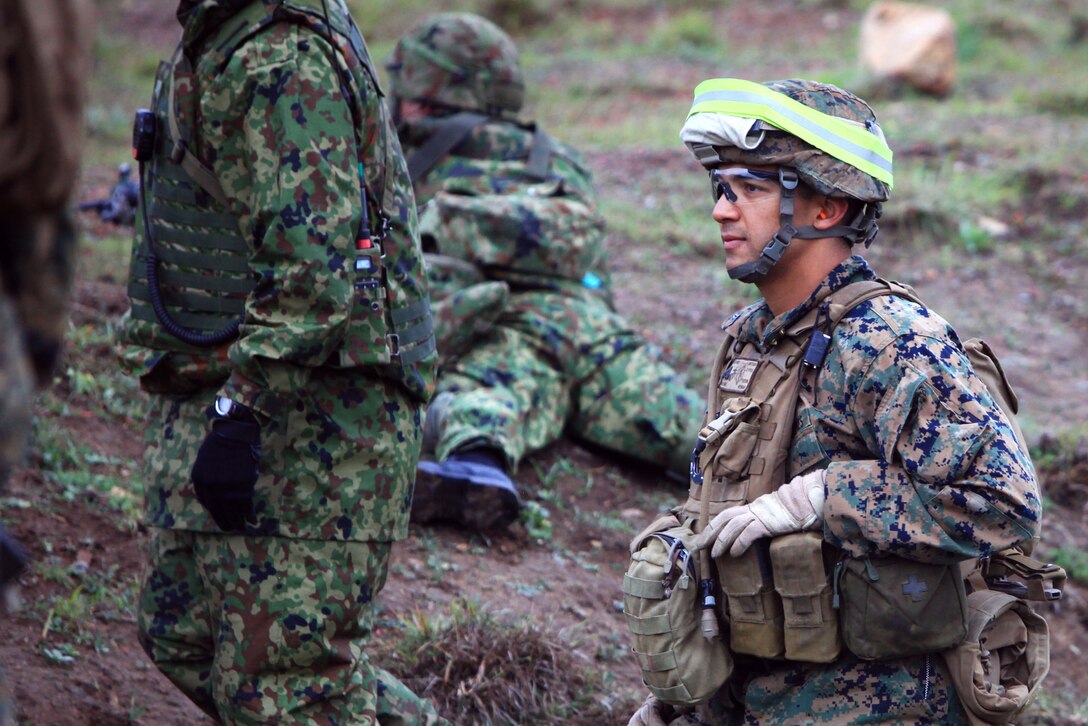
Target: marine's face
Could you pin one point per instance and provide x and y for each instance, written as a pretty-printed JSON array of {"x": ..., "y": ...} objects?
[{"x": 746, "y": 209}]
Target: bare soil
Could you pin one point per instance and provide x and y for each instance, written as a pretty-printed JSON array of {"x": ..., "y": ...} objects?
[{"x": 1032, "y": 312}]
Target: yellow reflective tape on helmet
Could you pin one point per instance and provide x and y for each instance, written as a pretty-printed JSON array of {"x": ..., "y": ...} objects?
[{"x": 845, "y": 140}]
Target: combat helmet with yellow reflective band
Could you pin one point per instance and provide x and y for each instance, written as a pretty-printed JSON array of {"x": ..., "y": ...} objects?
[
  {"x": 460, "y": 61},
  {"x": 814, "y": 132}
]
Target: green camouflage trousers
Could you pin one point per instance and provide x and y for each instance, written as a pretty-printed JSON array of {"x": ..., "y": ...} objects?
[
  {"x": 555, "y": 363},
  {"x": 272, "y": 630},
  {"x": 906, "y": 692}
]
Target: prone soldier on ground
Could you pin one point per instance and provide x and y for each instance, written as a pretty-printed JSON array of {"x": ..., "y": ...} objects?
[{"x": 531, "y": 346}]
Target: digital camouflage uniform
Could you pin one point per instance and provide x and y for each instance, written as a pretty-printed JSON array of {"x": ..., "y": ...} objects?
[
  {"x": 44, "y": 63},
  {"x": 920, "y": 463},
  {"x": 913, "y": 460},
  {"x": 558, "y": 358},
  {"x": 271, "y": 625}
]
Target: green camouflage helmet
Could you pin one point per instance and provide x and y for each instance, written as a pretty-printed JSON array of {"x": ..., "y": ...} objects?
[
  {"x": 856, "y": 164},
  {"x": 459, "y": 60}
]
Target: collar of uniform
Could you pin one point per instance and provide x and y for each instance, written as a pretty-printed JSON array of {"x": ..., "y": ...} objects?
[{"x": 762, "y": 327}]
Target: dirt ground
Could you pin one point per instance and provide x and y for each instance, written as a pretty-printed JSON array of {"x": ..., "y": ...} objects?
[{"x": 571, "y": 581}]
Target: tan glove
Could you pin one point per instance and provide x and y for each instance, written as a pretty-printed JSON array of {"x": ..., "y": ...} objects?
[
  {"x": 795, "y": 506},
  {"x": 652, "y": 713}
]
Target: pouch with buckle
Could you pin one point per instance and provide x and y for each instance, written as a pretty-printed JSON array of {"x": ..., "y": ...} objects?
[{"x": 891, "y": 607}]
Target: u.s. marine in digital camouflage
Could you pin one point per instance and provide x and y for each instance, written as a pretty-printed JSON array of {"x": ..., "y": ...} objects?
[
  {"x": 519, "y": 207},
  {"x": 255, "y": 287},
  {"x": 896, "y": 449}
]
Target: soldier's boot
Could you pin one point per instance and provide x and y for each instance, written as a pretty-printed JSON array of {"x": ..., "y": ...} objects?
[{"x": 470, "y": 489}]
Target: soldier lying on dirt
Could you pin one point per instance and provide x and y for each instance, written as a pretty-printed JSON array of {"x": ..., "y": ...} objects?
[{"x": 531, "y": 347}]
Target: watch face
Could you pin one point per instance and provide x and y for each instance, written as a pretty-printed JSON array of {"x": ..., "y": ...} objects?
[{"x": 223, "y": 406}]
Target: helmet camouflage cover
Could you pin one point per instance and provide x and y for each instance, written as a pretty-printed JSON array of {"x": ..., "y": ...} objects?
[
  {"x": 460, "y": 60},
  {"x": 821, "y": 170}
]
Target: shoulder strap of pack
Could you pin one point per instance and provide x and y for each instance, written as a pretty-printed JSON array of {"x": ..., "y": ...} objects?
[
  {"x": 241, "y": 30},
  {"x": 190, "y": 162},
  {"x": 845, "y": 299},
  {"x": 540, "y": 155},
  {"x": 452, "y": 132}
]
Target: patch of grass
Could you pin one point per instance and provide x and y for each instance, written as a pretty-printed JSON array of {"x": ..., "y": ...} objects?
[
  {"x": 608, "y": 521},
  {"x": 69, "y": 625},
  {"x": 1056, "y": 707},
  {"x": 687, "y": 30},
  {"x": 672, "y": 215},
  {"x": 480, "y": 667},
  {"x": 1073, "y": 561},
  {"x": 537, "y": 521},
  {"x": 946, "y": 200},
  {"x": 76, "y": 471}
]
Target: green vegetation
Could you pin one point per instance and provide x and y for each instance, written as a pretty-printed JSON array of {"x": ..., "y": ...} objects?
[
  {"x": 1073, "y": 560},
  {"x": 70, "y": 620},
  {"x": 78, "y": 472}
]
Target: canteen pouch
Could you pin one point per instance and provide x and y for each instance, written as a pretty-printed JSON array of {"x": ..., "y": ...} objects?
[
  {"x": 891, "y": 607},
  {"x": 810, "y": 625},
  {"x": 661, "y": 608},
  {"x": 755, "y": 610},
  {"x": 999, "y": 667}
]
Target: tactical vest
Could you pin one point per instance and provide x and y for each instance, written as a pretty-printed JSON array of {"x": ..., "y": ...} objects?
[
  {"x": 790, "y": 597},
  {"x": 203, "y": 271}
]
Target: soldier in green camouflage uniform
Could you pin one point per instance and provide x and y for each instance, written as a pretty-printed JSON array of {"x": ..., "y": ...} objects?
[
  {"x": 530, "y": 344},
  {"x": 897, "y": 449},
  {"x": 279, "y": 323},
  {"x": 44, "y": 65}
]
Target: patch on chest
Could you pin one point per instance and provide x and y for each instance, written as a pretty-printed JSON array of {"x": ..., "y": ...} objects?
[{"x": 738, "y": 376}]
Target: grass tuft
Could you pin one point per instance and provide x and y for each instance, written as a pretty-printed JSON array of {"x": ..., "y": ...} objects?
[{"x": 480, "y": 668}]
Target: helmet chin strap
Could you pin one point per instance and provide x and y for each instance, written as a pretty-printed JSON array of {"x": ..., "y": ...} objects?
[{"x": 776, "y": 247}]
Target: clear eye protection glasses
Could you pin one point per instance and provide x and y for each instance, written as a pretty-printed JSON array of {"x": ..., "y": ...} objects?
[{"x": 744, "y": 186}]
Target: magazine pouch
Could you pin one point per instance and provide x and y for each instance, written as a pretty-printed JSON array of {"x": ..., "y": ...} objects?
[
  {"x": 810, "y": 624},
  {"x": 755, "y": 610}
]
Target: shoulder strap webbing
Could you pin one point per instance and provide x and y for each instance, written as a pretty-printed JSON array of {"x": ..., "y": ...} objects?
[
  {"x": 181, "y": 155},
  {"x": 845, "y": 299},
  {"x": 441, "y": 142},
  {"x": 540, "y": 156}
]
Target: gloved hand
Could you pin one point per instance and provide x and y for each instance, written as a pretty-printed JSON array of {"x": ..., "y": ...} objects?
[
  {"x": 226, "y": 469},
  {"x": 795, "y": 506},
  {"x": 652, "y": 713}
]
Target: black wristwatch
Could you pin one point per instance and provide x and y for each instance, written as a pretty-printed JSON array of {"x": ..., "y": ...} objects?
[{"x": 227, "y": 408}]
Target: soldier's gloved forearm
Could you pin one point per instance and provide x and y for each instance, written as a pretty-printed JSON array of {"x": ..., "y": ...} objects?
[
  {"x": 795, "y": 506},
  {"x": 225, "y": 472},
  {"x": 652, "y": 713}
]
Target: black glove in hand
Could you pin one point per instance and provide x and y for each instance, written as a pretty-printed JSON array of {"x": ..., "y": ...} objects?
[{"x": 225, "y": 472}]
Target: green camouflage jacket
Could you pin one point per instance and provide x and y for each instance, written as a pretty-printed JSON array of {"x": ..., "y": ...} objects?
[
  {"x": 257, "y": 116},
  {"x": 340, "y": 423}
]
